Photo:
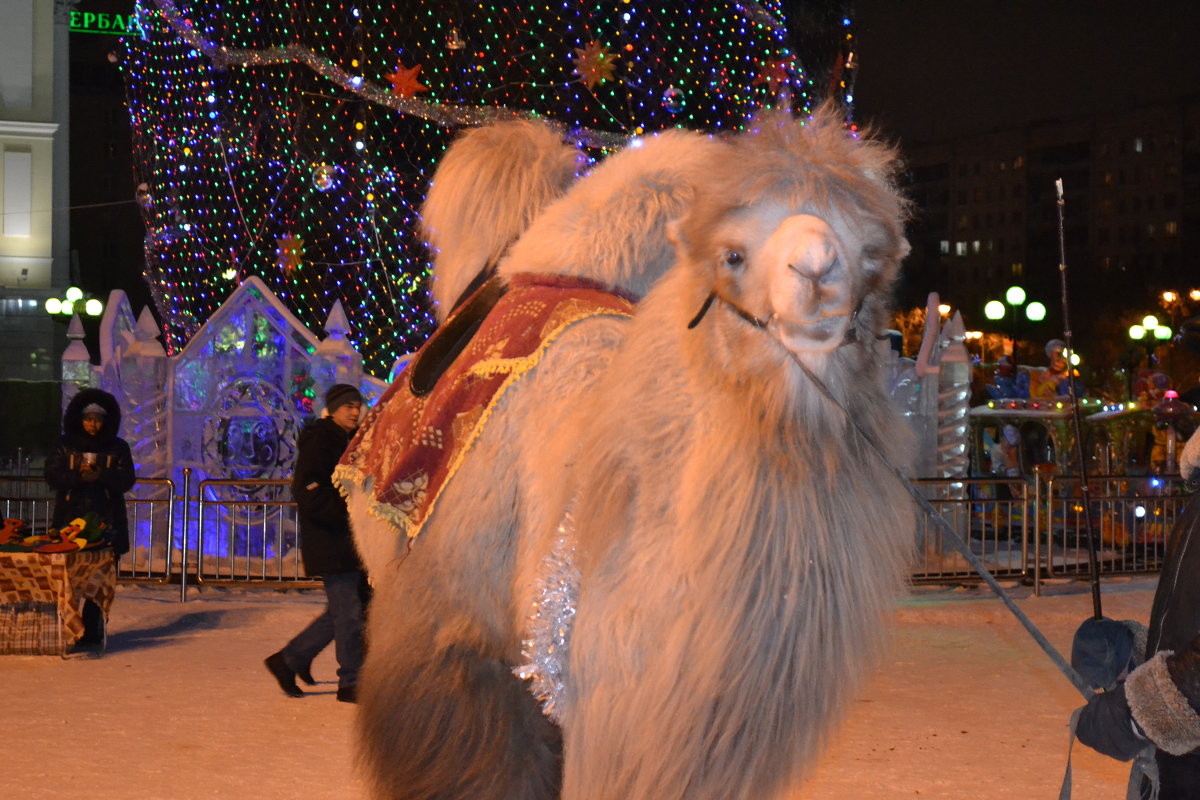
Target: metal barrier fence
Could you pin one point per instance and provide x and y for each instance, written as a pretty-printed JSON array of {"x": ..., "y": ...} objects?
[
  {"x": 150, "y": 506},
  {"x": 1038, "y": 529},
  {"x": 238, "y": 531},
  {"x": 248, "y": 532}
]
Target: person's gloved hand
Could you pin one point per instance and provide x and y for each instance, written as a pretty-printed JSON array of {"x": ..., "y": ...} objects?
[
  {"x": 1164, "y": 695},
  {"x": 1104, "y": 650}
]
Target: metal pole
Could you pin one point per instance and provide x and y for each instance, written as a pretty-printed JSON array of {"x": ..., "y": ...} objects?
[
  {"x": 183, "y": 549},
  {"x": 1085, "y": 491}
]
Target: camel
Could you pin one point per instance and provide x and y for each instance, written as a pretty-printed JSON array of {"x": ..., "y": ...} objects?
[
  {"x": 450, "y": 664},
  {"x": 677, "y": 542}
]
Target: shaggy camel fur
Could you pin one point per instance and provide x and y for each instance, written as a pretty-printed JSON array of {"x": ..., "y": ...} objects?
[
  {"x": 440, "y": 713},
  {"x": 490, "y": 185},
  {"x": 738, "y": 546}
]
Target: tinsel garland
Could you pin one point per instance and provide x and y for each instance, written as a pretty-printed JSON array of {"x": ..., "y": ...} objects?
[
  {"x": 446, "y": 115},
  {"x": 548, "y": 634}
]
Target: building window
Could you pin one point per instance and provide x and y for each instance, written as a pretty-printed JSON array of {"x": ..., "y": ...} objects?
[
  {"x": 1137, "y": 145},
  {"x": 1171, "y": 228},
  {"x": 1018, "y": 269},
  {"x": 960, "y": 248},
  {"x": 975, "y": 247},
  {"x": 944, "y": 247},
  {"x": 18, "y": 193}
]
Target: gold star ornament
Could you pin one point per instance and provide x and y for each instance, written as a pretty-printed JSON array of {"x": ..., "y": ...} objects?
[
  {"x": 594, "y": 64},
  {"x": 289, "y": 252}
]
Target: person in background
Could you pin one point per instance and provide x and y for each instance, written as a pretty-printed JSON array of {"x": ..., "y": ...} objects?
[
  {"x": 1005, "y": 456},
  {"x": 1005, "y": 453},
  {"x": 1149, "y": 710},
  {"x": 328, "y": 551},
  {"x": 1051, "y": 382},
  {"x": 90, "y": 471}
]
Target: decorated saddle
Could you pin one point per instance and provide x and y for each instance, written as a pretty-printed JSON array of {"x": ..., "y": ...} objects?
[{"x": 416, "y": 437}]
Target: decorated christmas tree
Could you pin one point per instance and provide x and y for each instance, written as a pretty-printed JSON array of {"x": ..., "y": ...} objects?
[{"x": 294, "y": 141}]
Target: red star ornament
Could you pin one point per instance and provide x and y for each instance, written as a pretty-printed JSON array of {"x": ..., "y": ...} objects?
[
  {"x": 289, "y": 251},
  {"x": 404, "y": 81},
  {"x": 773, "y": 73},
  {"x": 594, "y": 64}
]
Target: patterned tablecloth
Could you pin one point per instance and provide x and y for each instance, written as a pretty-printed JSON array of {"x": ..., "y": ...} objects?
[{"x": 64, "y": 579}]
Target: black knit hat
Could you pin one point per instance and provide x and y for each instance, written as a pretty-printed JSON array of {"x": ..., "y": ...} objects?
[{"x": 339, "y": 395}]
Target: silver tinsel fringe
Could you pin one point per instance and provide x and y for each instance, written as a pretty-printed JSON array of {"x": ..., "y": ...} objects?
[{"x": 548, "y": 630}]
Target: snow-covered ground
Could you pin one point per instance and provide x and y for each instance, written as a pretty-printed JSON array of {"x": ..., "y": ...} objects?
[{"x": 965, "y": 705}]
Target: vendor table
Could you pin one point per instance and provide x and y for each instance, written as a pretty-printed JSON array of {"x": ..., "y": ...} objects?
[{"x": 42, "y": 595}]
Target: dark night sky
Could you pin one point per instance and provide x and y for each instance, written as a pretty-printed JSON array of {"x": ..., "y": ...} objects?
[{"x": 937, "y": 69}]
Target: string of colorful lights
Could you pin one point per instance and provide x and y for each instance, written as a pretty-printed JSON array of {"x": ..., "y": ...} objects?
[{"x": 295, "y": 141}]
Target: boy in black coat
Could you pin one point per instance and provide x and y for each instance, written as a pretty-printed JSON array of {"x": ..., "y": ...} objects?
[{"x": 328, "y": 551}]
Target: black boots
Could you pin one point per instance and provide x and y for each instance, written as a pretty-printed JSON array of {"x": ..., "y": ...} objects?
[
  {"x": 305, "y": 674},
  {"x": 284, "y": 674},
  {"x": 347, "y": 694}
]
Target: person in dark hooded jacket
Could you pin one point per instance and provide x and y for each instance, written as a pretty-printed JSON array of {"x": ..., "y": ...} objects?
[
  {"x": 91, "y": 469},
  {"x": 1153, "y": 712}
]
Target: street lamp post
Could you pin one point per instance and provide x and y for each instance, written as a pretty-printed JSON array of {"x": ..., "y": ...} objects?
[
  {"x": 73, "y": 302},
  {"x": 1149, "y": 334},
  {"x": 1015, "y": 297}
]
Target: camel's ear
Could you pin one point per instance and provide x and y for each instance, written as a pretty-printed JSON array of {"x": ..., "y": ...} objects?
[{"x": 884, "y": 256}]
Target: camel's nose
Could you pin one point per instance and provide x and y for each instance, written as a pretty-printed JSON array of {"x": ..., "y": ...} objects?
[{"x": 814, "y": 258}]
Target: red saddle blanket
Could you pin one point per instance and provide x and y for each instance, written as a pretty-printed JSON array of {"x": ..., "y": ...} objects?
[{"x": 412, "y": 443}]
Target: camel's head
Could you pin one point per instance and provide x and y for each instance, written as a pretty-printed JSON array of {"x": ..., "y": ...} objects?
[{"x": 805, "y": 237}]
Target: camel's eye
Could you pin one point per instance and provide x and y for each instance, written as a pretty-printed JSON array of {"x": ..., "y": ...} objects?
[{"x": 734, "y": 259}]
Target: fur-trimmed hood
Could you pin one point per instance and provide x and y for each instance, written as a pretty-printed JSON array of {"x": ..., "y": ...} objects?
[{"x": 72, "y": 422}]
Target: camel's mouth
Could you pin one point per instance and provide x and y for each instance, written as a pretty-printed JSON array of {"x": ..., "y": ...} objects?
[{"x": 823, "y": 333}]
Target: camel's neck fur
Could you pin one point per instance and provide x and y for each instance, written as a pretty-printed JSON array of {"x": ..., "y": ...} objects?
[{"x": 749, "y": 538}]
